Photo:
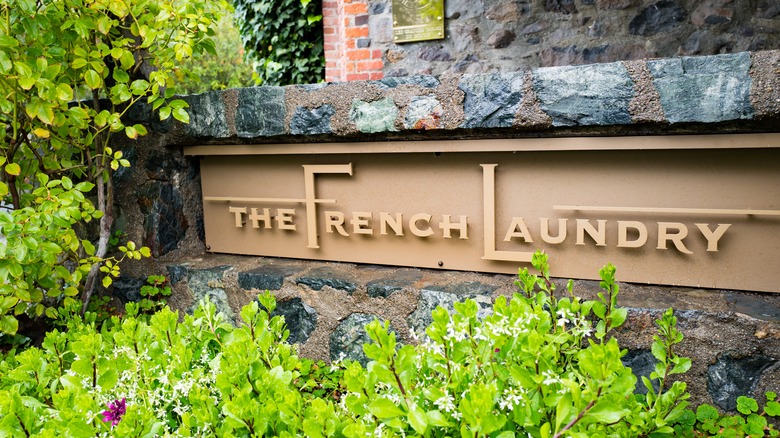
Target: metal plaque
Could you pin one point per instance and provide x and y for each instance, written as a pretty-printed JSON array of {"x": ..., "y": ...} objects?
[
  {"x": 418, "y": 20},
  {"x": 699, "y": 211}
]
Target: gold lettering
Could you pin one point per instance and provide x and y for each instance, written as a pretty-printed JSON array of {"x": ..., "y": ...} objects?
[
  {"x": 489, "y": 218},
  {"x": 311, "y": 201},
  {"x": 360, "y": 223},
  {"x": 598, "y": 235},
  {"x": 395, "y": 223},
  {"x": 518, "y": 229},
  {"x": 664, "y": 235},
  {"x": 239, "y": 212},
  {"x": 545, "y": 222},
  {"x": 284, "y": 218},
  {"x": 712, "y": 236},
  {"x": 417, "y": 231},
  {"x": 447, "y": 226},
  {"x": 265, "y": 218},
  {"x": 623, "y": 241},
  {"x": 335, "y": 219}
]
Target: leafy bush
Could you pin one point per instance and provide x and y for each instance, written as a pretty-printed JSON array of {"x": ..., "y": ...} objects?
[
  {"x": 70, "y": 70},
  {"x": 285, "y": 38},
  {"x": 539, "y": 365}
]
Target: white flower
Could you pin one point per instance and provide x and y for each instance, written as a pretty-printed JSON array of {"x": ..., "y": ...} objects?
[{"x": 446, "y": 403}]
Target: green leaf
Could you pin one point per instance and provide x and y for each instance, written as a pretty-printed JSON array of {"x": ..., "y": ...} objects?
[
  {"x": 384, "y": 408},
  {"x": 131, "y": 133},
  {"x": 26, "y": 82},
  {"x": 93, "y": 79},
  {"x": 8, "y": 324},
  {"x": 165, "y": 112},
  {"x": 607, "y": 412},
  {"x": 107, "y": 281},
  {"x": 418, "y": 419},
  {"x": 13, "y": 169},
  {"x": 706, "y": 412},
  {"x": 78, "y": 63},
  {"x": 181, "y": 115},
  {"x": 746, "y": 405},
  {"x": 89, "y": 248},
  {"x": 85, "y": 186}
]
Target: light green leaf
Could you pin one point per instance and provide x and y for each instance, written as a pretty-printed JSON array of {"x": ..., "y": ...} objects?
[
  {"x": 181, "y": 115},
  {"x": 89, "y": 248},
  {"x": 26, "y": 82},
  {"x": 384, "y": 408},
  {"x": 78, "y": 63},
  {"x": 9, "y": 324},
  {"x": 93, "y": 79},
  {"x": 418, "y": 419},
  {"x": 13, "y": 169},
  {"x": 606, "y": 412},
  {"x": 131, "y": 133}
]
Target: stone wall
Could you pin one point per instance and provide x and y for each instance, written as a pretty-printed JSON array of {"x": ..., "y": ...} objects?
[
  {"x": 509, "y": 35},
  {"x": 733, "y": 337}
]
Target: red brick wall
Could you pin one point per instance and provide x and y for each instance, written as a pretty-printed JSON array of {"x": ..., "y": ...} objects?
[{"x": 348, "y": 52}]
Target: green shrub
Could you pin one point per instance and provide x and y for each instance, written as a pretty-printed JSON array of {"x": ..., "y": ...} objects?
[
  {"x": 539, "y": 365},
  {"x": 69, "y": 72},
  {"x": 285, "y": 38}
]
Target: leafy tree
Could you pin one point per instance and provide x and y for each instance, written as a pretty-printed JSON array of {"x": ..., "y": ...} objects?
[
  {"x": 69, "y": 71},
  {"x": 226, "y": 69},
  {"x": 285, "y": 37}
]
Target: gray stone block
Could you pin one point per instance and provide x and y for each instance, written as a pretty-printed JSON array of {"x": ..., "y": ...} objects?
[
  {"x": 704, "y": 89},
  {"x": 424, "y": 112},
  {"x": 642, "y": 363},
  {"x": 376, "y": 116},
  {"x": 306, "y": 121},
  {"x": 425, "y": 81},
  {"x": 207, "y": 115},
  {"x": 384, "y": 287},
  {"x": 165, "y": 225},
  {"x": 260, "y": 112},
  {"x": 491, "y": 100},
  {"x": 299, "y": 318},
  {"x": 269, "y": 277},
  {"x": 318, "y": 278},
  {"x": 596, "y": 94},
  {"x": 128, "y": 288},
  {"x": 177, "y": 273},
  {"x": 731, "y": 377},
  {"x": 346, "y": 342},
  {"x": 208, "y": 283},
  {"x": 421, "y": 318}
]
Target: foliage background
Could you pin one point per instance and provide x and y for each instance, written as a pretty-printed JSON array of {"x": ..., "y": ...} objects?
[
  {"x": 225, "y": 69},
  {"x": 285, "y": 38}
]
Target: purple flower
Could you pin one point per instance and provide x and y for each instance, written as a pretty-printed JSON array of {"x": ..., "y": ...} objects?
[{"x": 114, "y": 412}]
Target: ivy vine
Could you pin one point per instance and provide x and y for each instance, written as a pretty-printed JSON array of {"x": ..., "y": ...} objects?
[{"x": 285, "y": 39}]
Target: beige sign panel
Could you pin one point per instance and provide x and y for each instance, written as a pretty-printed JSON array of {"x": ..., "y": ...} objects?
[{"x": 702, "y": 217}]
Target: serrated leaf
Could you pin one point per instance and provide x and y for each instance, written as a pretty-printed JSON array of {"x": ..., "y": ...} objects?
[{"x": 107, "y": 281}]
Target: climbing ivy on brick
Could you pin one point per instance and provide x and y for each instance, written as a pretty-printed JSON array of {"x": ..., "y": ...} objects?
[{"x": 285, "y": 39}]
